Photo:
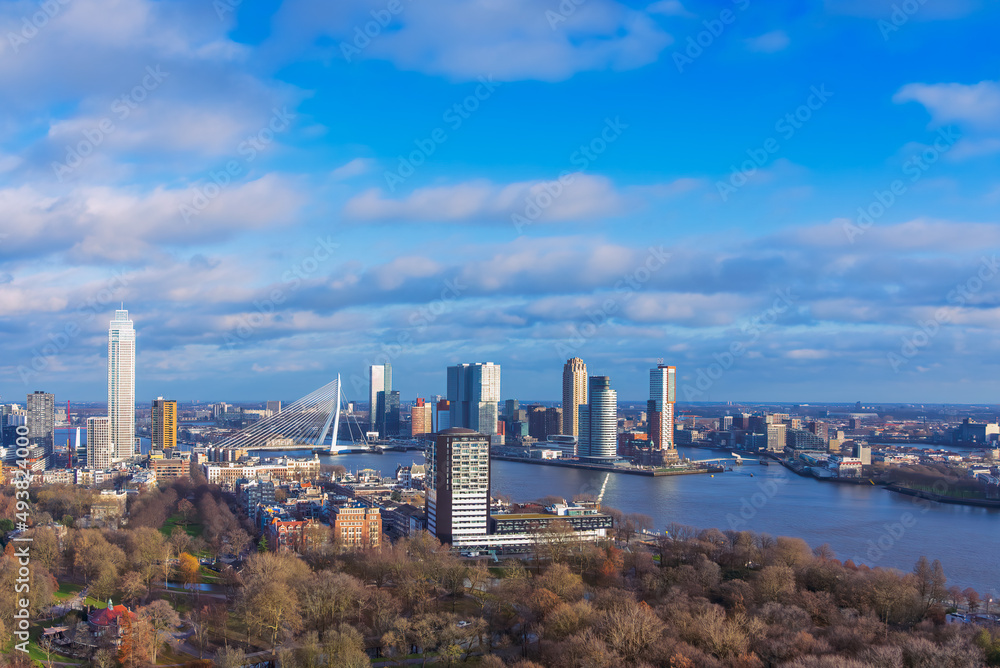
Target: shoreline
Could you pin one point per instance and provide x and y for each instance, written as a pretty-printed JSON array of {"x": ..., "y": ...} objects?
[{"x": 607, "y": 469}]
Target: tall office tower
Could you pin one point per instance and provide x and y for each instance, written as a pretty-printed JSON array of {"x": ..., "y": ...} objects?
[
  {"x": 662, "y": 395},
  {"x": 421, "y": 418},
  {"x": 274, "y": 407},
  {"x": 458, "y": 486},
  {"x": 379, "y": 380},
  {"x": 574, "y": 394},
  {"x": 599, "y": 422},
  {"x": 726, "y": 423},
  {"x": 442, "y": 415},
  {"x": 544, "y": 422},
  {"x": 100, "y": 448},
  {"x": 121, "y": 385},
  {"x": 510, "y": 409},
  {"x": 392, "y": 413},
  {"x": 164, "y": 424},
  {"x": 474, "y": 394},
  {"x": 41, "y": 419}
]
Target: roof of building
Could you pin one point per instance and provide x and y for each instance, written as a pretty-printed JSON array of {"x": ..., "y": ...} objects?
[
  {"x": 112, "y": 613},
  {"x": 458, "y": 430}
]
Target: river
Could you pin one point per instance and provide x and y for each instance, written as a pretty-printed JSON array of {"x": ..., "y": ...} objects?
[{"x": 863, "y": 523}]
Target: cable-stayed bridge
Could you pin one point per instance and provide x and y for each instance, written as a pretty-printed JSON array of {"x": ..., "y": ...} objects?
[{"x": 306, "y": 423}]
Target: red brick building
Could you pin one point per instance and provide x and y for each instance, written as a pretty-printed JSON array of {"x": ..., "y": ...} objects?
[{"x": 357, "y": 525}]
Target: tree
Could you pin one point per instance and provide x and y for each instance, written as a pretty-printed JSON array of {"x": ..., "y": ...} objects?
[
  {"x": 972, "y": 598},
  {"x": 186, "y": 510},
  {"x": 345, "y": 648},
  {"x": 190, "y": 568},
  {"x": 161, "y": 617},
  {"x": 238, "y": 540},
  {"x": 132, "y": 586},
  {"x": 230, "y": 657}
]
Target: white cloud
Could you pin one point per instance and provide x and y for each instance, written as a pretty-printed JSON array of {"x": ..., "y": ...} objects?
[
  {"x": 770, "y": 42},
  {"x": 975, "y": 104},
  {"x": 466, "y": 39},
  {"x": 584, "y": 197},
  {"x": 355, "y": 167}
]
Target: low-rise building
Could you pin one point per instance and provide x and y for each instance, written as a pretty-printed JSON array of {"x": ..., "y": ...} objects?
[{"x": 357, "y": 525}]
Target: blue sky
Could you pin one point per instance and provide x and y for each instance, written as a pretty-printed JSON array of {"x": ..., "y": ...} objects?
[{"x": 788, "y": 201}]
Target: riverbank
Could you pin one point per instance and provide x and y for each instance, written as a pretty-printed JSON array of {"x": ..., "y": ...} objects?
[
  {"x": 931, "y": 496},
  {"x": 652, "y": 473}
]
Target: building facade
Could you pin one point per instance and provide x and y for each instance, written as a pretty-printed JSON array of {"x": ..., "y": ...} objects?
[
  {"x": 121, "y": 385},
  {"x": 474, "y": 396},
  {"x": 100, "y": 449},
  {"x": 357, "y": 525},
  {"x": 41, "y": 420},
  {"x": 599, "y": 422},
  {"x": 164, "y": 424},
  {"x": 379, "y": 380},
  {"x": 458, "y": 486},
  {"x": 660, "y": 409},
  {"x": 574, "y": 394},
  {"x": 421, "y": 418}
]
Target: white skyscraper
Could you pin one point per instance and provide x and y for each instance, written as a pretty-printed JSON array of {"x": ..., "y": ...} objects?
[
  {"x": 379, "y": 380},
  {"x": 662, "y": 395},
  {"x": 99, "y": 449},
  {"x": 121, "y": 386},
  {"x": 599, "y": 422}
]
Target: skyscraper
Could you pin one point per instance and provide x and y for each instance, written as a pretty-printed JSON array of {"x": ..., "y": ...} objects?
[
  {"x": 421, "y": 419},
  {"x": 379, "y": 380},
  {"x": 164, "y": 424},
  {"x": 100, "y": 449},
  {"x": 41, "y": 420},
  {"x": 121, "y": 385},
  {"x": 599, "y": 422},
  {"x": 474, "y": 395},
  {"x": 662, "y": 395},
  {"x": 574, "y": 394},
  {"x": 458, "y": 486}
]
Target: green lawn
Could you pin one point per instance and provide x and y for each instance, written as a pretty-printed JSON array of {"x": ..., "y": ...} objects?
[
  {"x": 67, "y": 590},
  {"x": 194, "y": 529}
]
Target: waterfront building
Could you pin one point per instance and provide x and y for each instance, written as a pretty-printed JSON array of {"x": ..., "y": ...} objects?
[
  {"x": 574, "y": 394},
  {"x": 100, "y": 449},
  {"x": 40, "y": 407},
  {"x": 544, "y": 422},
  {"x": 379, "y": 380},
  {"x": 776, "y": 437},
  {"x": 726, "y": 423},
  {"x": 599, "y": 422},
  {"x": 458, "y": 486},
  {"x": 164, "y": 424},
  {"x": 662, "y": 396},
  {"x": 121, "y": 385},
  {"x": 474, "y": 396}
]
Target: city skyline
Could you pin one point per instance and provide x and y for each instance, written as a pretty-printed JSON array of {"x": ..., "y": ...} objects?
[{"x": 638, "y": 181}]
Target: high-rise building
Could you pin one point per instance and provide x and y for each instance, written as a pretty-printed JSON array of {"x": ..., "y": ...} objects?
[
  {"x": 820, "y": 429},
  {"x": 164, "y": 424},
  {"x": 599, "y": 422},
  {"x": 544, "y": 422},
  {"x": 100, "y": 448},
  {"x": 421, "y": 418},
  {"x": 442, "y": 415},
  {"x": 510, "y": 409},
  {"x": 41, "y": 420},
  {"x": 726, "y": 423},
  {"x": 776, "y": 437},
  {"x": 660, "y": 422},
  {"x": 458, "y": 486},
  {"x": 474, "y": 396},
  {"x": 392, "y": 413},
  {"x": 273, "y": 407},
  {"x": 379, "y": 380},
  {"x": 574, "y": 394},
  {"x": 121, "y": 385}
]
